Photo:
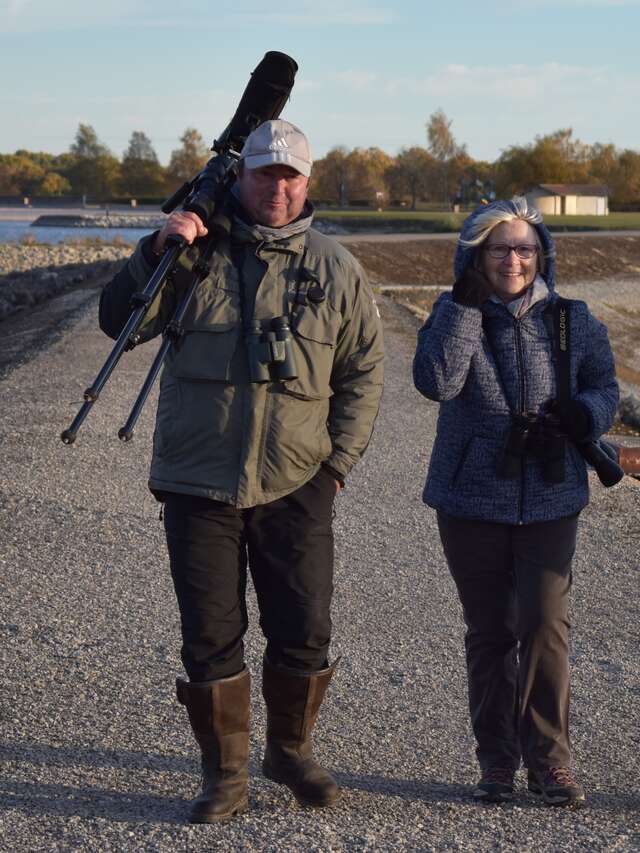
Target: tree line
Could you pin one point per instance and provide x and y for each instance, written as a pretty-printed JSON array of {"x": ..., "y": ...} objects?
[
  {"x": 91, "y": 170},
  {"x": 440, "y": 173}
]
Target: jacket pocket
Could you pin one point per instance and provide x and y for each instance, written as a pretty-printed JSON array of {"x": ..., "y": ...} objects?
[
  {"x": 296, "y": 438},
  {"x": 315, "y": 333},
  {"x": 169, "y": 404},
  {"x": 198, "y": 433},
  {"x": 206, "y": 348},
  {"x": 475, "y": 471}
]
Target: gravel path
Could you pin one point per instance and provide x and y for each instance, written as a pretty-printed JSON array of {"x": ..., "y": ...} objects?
[{"x": 96, "y": 753}]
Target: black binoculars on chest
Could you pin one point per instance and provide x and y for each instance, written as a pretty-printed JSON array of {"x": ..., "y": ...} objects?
[{"x": 270, "y": 350}]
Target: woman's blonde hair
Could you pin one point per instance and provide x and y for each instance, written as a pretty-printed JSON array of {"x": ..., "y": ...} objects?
[{"x": 499, "y": 212}]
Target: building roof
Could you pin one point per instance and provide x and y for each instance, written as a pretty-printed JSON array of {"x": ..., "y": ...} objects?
[{"x": 574, "y": 189}]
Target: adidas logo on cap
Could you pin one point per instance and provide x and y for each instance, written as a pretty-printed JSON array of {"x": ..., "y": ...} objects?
[{"x": 279, "y": 142}]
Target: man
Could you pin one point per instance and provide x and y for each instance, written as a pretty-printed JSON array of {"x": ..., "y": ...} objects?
[{"x": 266, "y": 403}]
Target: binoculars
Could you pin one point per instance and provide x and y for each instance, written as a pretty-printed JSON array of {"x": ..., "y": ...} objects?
[
  {"x": 537, "y": 436},
  {"x": 270, "y": 351},
  {"x": 542, "y": 436}
]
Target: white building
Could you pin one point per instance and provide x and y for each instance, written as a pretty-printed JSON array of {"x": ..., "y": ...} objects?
[{"x": 570, "y": 199}]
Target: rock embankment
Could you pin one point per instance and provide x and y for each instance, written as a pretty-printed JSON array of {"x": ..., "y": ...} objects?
[
  {"x": 144, "y": 220},
  {"x": 31, "y": 274},
  {"x": 104, "y": 220}
]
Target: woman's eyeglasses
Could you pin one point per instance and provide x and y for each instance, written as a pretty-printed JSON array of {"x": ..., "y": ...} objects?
[{"x": 500, "y": 250}]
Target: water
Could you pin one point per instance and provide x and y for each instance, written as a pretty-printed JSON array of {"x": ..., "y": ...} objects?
[{"x": 15, "y": 231}]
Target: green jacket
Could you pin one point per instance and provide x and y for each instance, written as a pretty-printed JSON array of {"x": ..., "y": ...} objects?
[{"x": 218, "y": 434}]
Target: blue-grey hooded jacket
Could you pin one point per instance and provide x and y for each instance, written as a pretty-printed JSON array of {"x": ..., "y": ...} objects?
[{"x": 483, "y": 371}]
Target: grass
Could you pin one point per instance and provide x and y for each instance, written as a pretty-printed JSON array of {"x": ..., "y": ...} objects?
[{"x": 429, "y": 220}]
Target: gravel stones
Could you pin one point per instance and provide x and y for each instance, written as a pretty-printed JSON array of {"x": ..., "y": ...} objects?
[{"x": 96, "y": 752}]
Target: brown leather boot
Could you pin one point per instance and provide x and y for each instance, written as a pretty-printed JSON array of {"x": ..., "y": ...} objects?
[
  {"x": 293, "y": 699},
  {"x": 219, "y": 716}
]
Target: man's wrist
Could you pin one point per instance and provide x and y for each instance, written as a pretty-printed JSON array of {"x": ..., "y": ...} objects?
[
  {"x": 149, "y": 254},
  {"x": 335, "y": 474}
]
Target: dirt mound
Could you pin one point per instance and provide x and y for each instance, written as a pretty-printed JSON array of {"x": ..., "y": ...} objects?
[{"x": 421, "y": 262}]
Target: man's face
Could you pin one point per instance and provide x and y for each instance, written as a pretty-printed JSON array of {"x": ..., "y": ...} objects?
[{"x": 273, "y": 195}]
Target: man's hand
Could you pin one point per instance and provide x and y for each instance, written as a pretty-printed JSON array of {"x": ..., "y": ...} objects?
[
  {"x": 181, "y": 223},
  {"x": 471, "y": 289}
]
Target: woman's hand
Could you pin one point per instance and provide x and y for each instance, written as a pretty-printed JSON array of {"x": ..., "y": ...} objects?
[
  {"x": 472, "y": 289},
  {"x": 577, "y": 421},
  {"x": 181, "y": 223}
]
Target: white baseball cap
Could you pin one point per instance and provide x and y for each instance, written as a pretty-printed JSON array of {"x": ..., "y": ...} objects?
[{"x": 277, "y": 141}]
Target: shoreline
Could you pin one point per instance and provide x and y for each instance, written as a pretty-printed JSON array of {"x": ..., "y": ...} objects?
[{"x": 151, "y": 217}]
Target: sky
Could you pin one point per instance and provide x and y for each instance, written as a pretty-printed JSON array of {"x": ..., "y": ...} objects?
[{"x": 370, "y": 73}]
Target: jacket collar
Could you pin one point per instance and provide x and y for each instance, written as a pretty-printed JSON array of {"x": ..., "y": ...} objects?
[
  {"x": 536, "y": 292},
  {"x": 540, "y": 296}
]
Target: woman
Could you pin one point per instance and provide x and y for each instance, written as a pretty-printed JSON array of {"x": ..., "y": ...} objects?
[{"x": 508, "y": 484}]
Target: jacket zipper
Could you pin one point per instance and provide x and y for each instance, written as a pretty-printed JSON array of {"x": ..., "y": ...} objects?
[{"x": 521, "y": 407}]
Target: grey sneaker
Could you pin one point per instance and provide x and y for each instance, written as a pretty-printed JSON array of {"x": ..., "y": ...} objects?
[
  {"x": 557, "y": 786},
  {"x": 495, "y": 785}
]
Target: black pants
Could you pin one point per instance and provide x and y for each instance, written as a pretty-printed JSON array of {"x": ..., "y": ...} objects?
[
  {"x": 514, "y": 582},
  {"x": 288, "y": 545}
]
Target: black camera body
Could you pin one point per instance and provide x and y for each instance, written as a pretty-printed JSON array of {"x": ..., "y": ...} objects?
[
  {"x": 542, "y": 437},
  {"x": 539, "y": 436}
]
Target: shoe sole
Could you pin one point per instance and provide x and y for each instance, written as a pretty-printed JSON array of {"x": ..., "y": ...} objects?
[
  {"x": 484, "y": 797},
  {"x": 308, "y": 804},
  {"x": 218, "y": 818},
  {"x": 567, "y": 802}
]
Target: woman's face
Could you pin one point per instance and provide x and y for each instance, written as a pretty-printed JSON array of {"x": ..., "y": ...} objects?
[{"x": 510, "y": 276}]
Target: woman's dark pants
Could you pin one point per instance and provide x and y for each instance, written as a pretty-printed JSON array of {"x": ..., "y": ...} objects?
[
  {"x": 514, "y": 582},
  {"x": 288, "y": 547}
]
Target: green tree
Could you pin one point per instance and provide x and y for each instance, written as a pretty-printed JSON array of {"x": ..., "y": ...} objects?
[
  {"x": 554, "y": 158},
  {"x": 330, "y": 177},
  {"x": 187, "y": 160},
  {"x": 624, "y": 181},
  {"x": 86, "y": 143},
  {"x": 411, "y": 175},
  {"x": 92, "y": 168},
  {"x": 19, "y": 174},
  {"x": 603, "y": 161},
  {"x": 442, "y": 144},
  {"x": 365, "y": 174},
  {"x": 31, "y": 173},
  {"x": 141, "y": 173},
  {"x": 54, "y": 184}
]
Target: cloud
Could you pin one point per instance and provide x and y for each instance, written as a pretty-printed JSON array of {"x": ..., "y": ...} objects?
[
  {"x": 535, "y": 4},
  {"x": 356, "y": 81},
  {"x": 509, "y": 83},
  {"x": 45, "y": 16},
  {"x": 492, "y": 106},
  {"x": 312, "y": 13}
]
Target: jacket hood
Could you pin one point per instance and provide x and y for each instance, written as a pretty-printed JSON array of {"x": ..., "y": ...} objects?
[{"x": 465, "y": 256}]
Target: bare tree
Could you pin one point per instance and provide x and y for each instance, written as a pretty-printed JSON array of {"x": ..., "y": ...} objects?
[{"x": 443, "y": 146}]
